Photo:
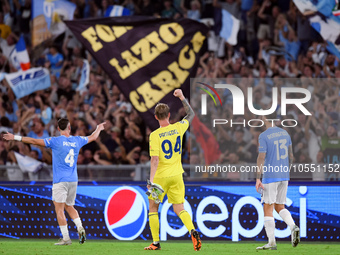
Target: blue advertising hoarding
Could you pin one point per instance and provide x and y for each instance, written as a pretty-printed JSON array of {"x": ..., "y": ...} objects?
[{"x": 220, "y": 212}]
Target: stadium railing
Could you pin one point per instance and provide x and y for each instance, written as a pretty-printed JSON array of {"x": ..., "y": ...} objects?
[{"x": 141, "y": 173}]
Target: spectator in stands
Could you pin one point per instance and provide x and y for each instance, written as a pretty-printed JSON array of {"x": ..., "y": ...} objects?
[
  {"x": 10, "y": 112},
  {"x": 54, "y": 61},
  {"x": 194, "y": 11},
  {"x": 24, "y": 18},
  {"x": 38, "y": 131},
  {"x": 3, "y": 149},
  {"x": 132, "y": 6},
  {"x": 119, "y": 156},
  {"x": 239, "y": 143},
  {"x": 13, "y": 174},
  {"x": 300, "y": 53},
  {"x": 5, "y": 125},
  {"x": 65, "y": 88},
  {"x": 291, "y": 45},
  {"x": 144, "y": 158},
  {"x": 147, "y": 8},
  {"x": 88, "y": 157},
  {"x": 131, "y": 139},
  {"x": 134, "y": 156},
  {"x": 168, "y": 11},
  {"x": 7, "y": 45},
  {"x": 267, "y": 14},
  {"x": 5, "y": 30},
  {"x": 45, "y": 110}
]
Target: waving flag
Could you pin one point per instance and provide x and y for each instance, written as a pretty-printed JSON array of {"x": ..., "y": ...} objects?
[
  {"x": 207, "y": 140},
  {"x": 28, "y": 164},
  {"x": 48, "y": 19},
  {"x": 323, "y": 20},
  {"x": 147, "y": 57},
  {"x": 116, "y": 11},
  {"x": 226, "y": 26},
  {"x": 230, "y": 27},
  {"x": 24, "y": 83},
  {"x": 2, "y": 75},
  {"x": 84, "y": 76},
  {"x": 19, "y": 56}
]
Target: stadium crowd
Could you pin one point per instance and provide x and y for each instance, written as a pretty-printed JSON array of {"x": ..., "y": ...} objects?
[{"x": 275, "y": 41}]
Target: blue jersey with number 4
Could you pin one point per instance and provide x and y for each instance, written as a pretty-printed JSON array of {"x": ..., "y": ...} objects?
[
  {"x": 275, "y": 142},
  {"x": 65, "y": 151}
]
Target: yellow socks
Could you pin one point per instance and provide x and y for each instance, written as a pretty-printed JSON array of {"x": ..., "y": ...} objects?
[
  {"x": 186, "y": 219},
  {"x": 154, "y": 226},
  {"x": 154, "y": 223}
]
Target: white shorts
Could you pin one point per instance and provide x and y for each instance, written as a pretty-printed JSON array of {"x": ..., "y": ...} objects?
[
  {"x": 64, "y": 192},
  {"x": 275, "y": 193}
]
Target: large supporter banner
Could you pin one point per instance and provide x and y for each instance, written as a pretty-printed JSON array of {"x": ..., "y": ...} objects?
[
  {"x": 48, "y": 17},
  {"x": 148, "y": 58},
  {"x": 220, "y": 212},
  {"x": 24, "y": 83}
]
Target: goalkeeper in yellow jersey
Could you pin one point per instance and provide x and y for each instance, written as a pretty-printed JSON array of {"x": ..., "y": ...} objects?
[{"x": 166, "y": 172}]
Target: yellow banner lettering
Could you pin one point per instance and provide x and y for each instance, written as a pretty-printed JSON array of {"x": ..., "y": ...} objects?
[
  {"x": 197, "y": 41},
  {"x": 148, "y": 53},
  {"x": 133, "y": 62},
  {"x": 105, "y": 33},
  {"x": 181, "y": 75},
  {"x": 123, "y": 72},
  {"x": 134, "y": 97},
  {"x": 186, "y": 63},
  {"x": 151, "y": 96},
  {"x": 91, "y": 36},
  {"x": 165, "y": 81},
  {"x": 171, "y": 37},
  {"x": 119, "y": 31}
]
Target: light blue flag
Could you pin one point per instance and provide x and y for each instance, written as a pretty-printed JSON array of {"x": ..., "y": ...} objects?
[
  {"x": 333, "y": 50},
  {"x": 230, "y": 27},
  {"x": 2, "y": 75},
  {"x": 48, "y": 17},
  {"x": 84, "y": 76},
  {"x": 24, "y": 83},
  {"x": 323, "y": 21}
]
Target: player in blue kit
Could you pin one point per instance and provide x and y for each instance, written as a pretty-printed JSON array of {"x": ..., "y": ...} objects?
[
  {"x": 275, "y": 157},
  {"x": 65, "y": 150}
]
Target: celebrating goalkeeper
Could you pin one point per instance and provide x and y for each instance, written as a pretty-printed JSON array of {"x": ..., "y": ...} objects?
[{"x": 167, "y": 171}]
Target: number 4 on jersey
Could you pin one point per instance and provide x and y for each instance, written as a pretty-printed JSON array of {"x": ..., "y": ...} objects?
[
  {"x": 70, "y": 158},
  {"x": 178, "y": 145}
]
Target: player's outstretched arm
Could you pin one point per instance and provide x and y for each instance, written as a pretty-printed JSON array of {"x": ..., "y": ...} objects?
[
  {"x": 96, "y": 133},
  {"x": 189, "y": 111},
  {"x": 11, "y": 137}
]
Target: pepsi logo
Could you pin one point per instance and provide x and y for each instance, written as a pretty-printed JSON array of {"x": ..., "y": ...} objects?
[{"x": 125, "y": 213}]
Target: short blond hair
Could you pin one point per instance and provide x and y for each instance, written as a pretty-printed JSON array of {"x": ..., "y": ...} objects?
[{"x": 162, "y": 111}]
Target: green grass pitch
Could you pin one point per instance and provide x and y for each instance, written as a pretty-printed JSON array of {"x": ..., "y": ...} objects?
[{"x": 46, "y": 247}]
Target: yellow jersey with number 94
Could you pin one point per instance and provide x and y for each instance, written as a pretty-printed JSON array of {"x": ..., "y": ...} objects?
[{"x": 166, "y": 143}]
